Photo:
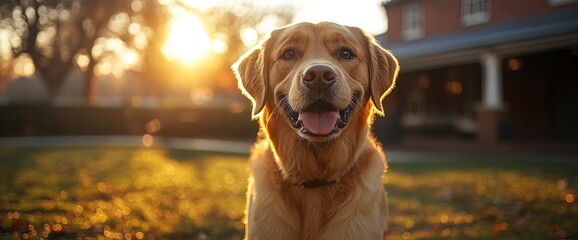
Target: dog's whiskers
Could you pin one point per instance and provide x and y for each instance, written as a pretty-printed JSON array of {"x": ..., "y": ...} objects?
[
  {"x": 273, "y": 113},
  {"x": 277, "y": 109},
  {"x": 354, "y": 99},
  {"x": 315, "y": 145},
  {"x": 285, "y": 105}
]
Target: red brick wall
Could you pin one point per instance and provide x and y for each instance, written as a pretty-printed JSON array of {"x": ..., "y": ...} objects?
[
  {"x": 441, "y": 16},
  {"x": 394, "y": 22},
  {"x": 501, "y": 10},
  {"x": 444, "y": 16}
]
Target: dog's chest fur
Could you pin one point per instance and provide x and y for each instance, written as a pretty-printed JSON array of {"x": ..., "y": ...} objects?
[{"x": 316, "y": 213}]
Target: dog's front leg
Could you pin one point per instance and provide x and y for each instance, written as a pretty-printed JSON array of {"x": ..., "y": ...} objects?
[
  {"x": 364, "y": 221},
  {"x": 268, "y": 218}
]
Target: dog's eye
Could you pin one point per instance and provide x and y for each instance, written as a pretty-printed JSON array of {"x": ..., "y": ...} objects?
[
  {"x": 288, "y": 54},
  {"x": 346, "y": 54}
]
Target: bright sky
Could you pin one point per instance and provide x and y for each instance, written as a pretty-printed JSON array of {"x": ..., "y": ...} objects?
[
  {"x": 366, "y": 14},
  {"x": 186, "y": 29}
]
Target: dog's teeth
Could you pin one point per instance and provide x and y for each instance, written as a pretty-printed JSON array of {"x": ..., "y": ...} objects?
[{"x": 297, "y": 124}]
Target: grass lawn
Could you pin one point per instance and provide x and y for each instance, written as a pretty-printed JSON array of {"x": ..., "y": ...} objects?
[{"x": 140, "y": 193}]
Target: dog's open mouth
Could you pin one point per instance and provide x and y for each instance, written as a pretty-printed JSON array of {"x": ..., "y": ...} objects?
[{"x": 320, "y": 118}]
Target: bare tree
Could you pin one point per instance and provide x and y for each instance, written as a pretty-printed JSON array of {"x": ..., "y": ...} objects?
[
  {"x": 54, "y": 32},
  {"x": 59, "y": 35},
  {"x": 231, "y": 20},
  {"x": 225, "y": 21},
  {"x": 155, "y": 65}
]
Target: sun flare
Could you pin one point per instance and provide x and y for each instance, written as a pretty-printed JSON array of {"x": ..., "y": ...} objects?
[{"x": 187, "y": 40}]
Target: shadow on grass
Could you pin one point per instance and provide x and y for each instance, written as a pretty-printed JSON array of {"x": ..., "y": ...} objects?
[{"x": 138, "y": 193}]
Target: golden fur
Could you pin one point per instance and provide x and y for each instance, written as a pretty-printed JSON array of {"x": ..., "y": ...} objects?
[{"x": 351, "y": 203}]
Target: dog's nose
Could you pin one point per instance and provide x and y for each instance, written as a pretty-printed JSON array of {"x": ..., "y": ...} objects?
[{"x": 319, "y": 77}]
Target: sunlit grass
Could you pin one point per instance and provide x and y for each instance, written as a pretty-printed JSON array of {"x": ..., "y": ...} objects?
[
  {"x": 128, "y": 193},
  {"x": 488, "y": 197},
  {"x": 141, "y": 193}
]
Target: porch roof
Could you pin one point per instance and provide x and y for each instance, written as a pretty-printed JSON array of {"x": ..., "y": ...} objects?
[{"x": 547, "y": 25}]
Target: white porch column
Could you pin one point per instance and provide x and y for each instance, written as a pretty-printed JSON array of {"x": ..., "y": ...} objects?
[
  {"x": 492, "y": 81},
  {"x": 488, "y": 113}
]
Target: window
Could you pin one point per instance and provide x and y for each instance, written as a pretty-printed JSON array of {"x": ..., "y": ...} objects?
[
  {"x": 412, "y": 21},
  {"x": 475, "y": 11}
]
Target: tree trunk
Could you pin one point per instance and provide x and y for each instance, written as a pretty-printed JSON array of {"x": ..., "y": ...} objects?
[{"x": 90, "y": 84}]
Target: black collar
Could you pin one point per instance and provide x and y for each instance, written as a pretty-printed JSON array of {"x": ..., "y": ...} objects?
[{"x": 315, "y": 183}]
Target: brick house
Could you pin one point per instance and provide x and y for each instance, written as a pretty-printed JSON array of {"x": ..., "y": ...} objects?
[{"x": 491, "y": 70}]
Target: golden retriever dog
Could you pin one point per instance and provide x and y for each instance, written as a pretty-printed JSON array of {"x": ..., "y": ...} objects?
[{"x": 316, "y": 171}]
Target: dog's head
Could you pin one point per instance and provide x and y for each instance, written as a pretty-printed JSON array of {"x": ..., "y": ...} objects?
[{"x": 316, "y": 75}]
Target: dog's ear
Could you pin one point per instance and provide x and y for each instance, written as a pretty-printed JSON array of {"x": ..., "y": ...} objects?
[
  {"x": 383, "y": 70},
  {"x": 251, "y": 73}
]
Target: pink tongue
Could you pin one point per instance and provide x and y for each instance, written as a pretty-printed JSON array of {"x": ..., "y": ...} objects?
[{"x": 319, "y": 123}]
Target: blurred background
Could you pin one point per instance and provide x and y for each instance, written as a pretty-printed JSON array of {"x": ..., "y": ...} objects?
[
  {"x": 121, "y": 119},
  {"x": 472, "y": 71},
  {"x": 139, "y": 67}
]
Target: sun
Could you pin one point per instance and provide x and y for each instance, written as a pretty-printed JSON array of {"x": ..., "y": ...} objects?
[{"x": 187, "y": 40}]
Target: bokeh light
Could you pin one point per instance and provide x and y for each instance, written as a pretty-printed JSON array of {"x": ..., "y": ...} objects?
[{"x": 148, "y": 140}]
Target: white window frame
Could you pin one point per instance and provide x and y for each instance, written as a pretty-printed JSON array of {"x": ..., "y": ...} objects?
[
  {"x": 412, "y": 21},
  {"x": 475, "y": 12}
]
